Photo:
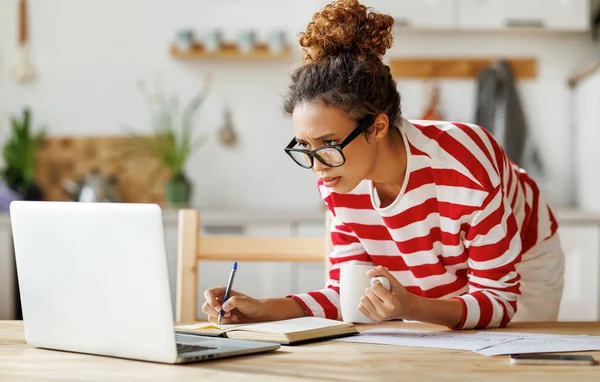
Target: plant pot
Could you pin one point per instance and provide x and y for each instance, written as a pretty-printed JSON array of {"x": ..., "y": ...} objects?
[
  {"x": 33, "y": 192},
  {"x": 178, "y": 191}
]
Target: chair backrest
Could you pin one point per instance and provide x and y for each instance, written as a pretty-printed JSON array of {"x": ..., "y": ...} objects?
[{"x": 191, "y": 248}]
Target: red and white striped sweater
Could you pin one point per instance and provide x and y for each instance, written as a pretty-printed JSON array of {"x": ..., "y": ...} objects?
[{"x": 463, "y": 219}]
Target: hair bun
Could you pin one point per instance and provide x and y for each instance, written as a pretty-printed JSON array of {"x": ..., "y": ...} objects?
[{"x": 347, "y": 26}]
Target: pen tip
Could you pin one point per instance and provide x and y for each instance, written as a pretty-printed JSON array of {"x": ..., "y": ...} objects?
[{"x": 235, "y": 265}]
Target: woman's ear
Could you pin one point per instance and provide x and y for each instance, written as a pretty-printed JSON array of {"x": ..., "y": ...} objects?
[{"x": 380, "y": 127}]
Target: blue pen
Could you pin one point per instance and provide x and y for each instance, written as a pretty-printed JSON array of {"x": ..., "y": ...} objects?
[{"x": 227, "y": 290}]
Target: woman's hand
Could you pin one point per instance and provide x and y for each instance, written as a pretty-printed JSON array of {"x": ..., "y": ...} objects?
[
  {"x": 238, "y": 308},
  {"x": 381, "y": 304}
]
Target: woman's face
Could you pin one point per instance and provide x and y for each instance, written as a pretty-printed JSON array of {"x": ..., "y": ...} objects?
[{"x": 316, "y": 126}]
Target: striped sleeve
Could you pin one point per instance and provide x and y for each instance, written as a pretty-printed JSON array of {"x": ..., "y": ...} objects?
[
  {"x": 494, "y": 248},
  {"x": 346, "y": 248}
]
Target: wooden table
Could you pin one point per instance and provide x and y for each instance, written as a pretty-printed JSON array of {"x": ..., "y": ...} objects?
[{"x": 325, "y": 361}]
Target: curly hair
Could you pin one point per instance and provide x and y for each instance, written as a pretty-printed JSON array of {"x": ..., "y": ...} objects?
[{"x": 343, "y": 48}]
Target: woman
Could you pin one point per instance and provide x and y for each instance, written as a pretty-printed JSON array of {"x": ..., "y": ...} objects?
[{"x": 464, "y": 236}]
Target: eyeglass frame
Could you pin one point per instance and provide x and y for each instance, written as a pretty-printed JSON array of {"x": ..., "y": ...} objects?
[{"x": 363, "y": 124}]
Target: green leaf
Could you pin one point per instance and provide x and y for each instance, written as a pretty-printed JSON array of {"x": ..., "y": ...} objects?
[
  {"x": 173, "y": 141},
  {"x": 19, "y": 152}
]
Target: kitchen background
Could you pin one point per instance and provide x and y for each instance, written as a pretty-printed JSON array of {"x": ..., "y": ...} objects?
[{"x": 90, "y": 58}]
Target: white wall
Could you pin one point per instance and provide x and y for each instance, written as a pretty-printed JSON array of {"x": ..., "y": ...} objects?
[{"x": 90, "y": 54}]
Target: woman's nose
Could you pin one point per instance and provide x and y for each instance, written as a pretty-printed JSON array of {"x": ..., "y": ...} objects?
[{"x": 318, "y": 166}]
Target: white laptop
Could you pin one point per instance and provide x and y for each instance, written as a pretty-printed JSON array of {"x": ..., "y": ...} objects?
[{"x": 93, "y": 279}]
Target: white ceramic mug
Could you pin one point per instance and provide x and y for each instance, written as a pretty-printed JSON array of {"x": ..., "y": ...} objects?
[
  {"x": 213, "y": 40},
  {"x": 246, "y": 40},
  {"x": 276, "y": 41},
  {"x": 353, "y": 282}
]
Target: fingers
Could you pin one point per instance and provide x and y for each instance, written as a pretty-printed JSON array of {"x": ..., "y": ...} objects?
[
  {"x": 212, "y": 312},
  {"x": 365, "y": 312},
  {"x": 367, "y": 308},
  {"x": 379, "y": 299},
  {"x": 235, "y": 302},
  {"x": 373, "y": 297},
  {"x": 379, "y": 292},
  {"x": 213, "y": 297},
  {"x": 232, "y": 319},
  {"x": 214, "y": 304},
  {"x": 213, "y": 315},
  {"x": 380, "y": 271}
]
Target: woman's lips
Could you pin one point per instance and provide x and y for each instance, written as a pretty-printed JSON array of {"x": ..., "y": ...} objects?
[{"x": 331, "y": 181}]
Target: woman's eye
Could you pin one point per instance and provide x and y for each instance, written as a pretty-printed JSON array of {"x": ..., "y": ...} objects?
[
  {"x": 303, "y": 145},
  {"x": 330, "y": 143}
]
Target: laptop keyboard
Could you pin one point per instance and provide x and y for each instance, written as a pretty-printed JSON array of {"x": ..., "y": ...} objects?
[{"x": 186, "y": 348}]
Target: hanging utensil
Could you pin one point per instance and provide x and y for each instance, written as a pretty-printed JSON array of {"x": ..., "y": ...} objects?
[
  {"x": 23, "y": 70},
  {"x": 227, "y": 134},
  {"x": 432, "y": 111}
]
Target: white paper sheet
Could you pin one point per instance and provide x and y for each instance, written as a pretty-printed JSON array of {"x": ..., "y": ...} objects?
[
  {"x": 485, "y": 343},
  {"x": 519, "y": 335},
  {"x": 541, "y": 343},
  {"x": 419, "y": 338}
]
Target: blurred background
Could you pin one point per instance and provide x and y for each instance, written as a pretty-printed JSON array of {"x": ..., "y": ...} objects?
[{"x": 179, "y": 102}]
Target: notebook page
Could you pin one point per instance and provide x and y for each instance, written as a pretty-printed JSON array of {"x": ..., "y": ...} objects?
[
  {"x": 295, "y": 325},
  {"x": 207, "y": 326}
]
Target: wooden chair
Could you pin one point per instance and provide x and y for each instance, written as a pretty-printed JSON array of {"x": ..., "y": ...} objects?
[{"x": 191, "y": 248}]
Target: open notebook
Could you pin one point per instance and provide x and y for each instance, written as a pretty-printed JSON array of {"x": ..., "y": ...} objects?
[{"x": 285, "y": 332}]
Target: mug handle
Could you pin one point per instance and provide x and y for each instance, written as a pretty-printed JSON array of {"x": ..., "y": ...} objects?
[{"x": 385, "y": 282}]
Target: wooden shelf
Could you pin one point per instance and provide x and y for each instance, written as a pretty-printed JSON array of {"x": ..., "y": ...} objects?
[
  {"x": 230, "y": 51},
  {"x": 425, "y": 68}
]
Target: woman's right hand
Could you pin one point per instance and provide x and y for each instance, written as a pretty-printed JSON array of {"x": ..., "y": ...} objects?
[{"x": 239, "y": 308}]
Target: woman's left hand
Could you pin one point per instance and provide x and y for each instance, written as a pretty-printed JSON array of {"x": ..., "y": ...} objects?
[{"x": 381, "y": 304}]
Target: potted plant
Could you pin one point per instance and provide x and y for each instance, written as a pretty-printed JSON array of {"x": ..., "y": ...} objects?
[
  {"x": 19, "y": 153},
  {"x": 172, "y": 143}
]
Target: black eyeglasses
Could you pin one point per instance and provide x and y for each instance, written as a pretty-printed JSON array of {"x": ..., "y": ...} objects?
[{"x": 331, "y": 156}]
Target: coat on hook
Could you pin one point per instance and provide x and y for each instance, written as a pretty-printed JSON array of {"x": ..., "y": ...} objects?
[{"x": 499, "y": 110}]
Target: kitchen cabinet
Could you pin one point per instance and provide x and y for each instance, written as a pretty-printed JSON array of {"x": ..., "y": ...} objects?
[
  {"x": 456, "y": 15},
  {"x": 563, "y": 15},
  {"x": 426, "y": 14},
  {"x": 585, "y": 98},
  {"x": 581, "y": 294}
]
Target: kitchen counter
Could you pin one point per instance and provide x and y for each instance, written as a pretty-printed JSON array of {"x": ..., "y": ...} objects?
[
  {"x": 249, "y": 216},
  {"x": 572, "y": 215},
  {"x": 236, "y": 216},
  {"x": 252, "y": 216},
  {"x": 231, "y": 216}
]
